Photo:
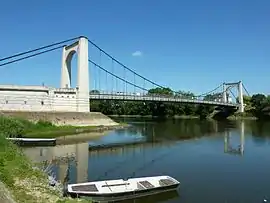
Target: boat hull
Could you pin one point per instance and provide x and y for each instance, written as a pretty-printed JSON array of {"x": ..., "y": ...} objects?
[
  {"x": 126, "y": 195},
  {"x": 116, "y": 190},
  {"x": 33, "y": 141}
]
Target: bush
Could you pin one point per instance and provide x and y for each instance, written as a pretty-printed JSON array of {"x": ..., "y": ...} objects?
[
  {"x": 11, "y": 127},
  {"x": 44, "y": 124},
  {"x": 12, "y": 161}
]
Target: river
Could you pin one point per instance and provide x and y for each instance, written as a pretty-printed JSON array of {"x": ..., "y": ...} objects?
[{"x": 214, "y": 161}]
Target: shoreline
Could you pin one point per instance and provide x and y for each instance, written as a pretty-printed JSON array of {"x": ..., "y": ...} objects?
[
  {"x": 21, "y": 181},
  {"x": 232, "y": 117},
  {"x": 150, "y": 116},
  {"x": 86, "y": 136},
  {"x": 69, "y": 131}
]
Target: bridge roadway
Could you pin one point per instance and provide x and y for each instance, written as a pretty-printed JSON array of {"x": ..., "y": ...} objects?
[{"x": 96, "y": 96}]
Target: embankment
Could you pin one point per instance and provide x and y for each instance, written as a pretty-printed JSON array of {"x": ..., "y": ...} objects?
[
  {"x": 64, "y": 118},
  {"x": 21, "y": 182}
]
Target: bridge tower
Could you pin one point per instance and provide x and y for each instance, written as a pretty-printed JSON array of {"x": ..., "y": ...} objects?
[
  {"x": 82, "y": 89},
  {"x": 239, "y": 85}
]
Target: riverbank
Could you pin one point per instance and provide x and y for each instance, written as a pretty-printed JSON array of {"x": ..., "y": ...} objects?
[
  {"x": 150, "y": 116},
  {"x": 78, "y": 119},
  {"x": 242, "y": 116},
  {"x": 17, "y": 126},
  {"x": 21, "y": 182},
  {"x": 67, "y": 131},
  {"x": 236, "y": 116}
]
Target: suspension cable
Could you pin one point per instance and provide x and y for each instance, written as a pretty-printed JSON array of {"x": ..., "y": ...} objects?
[
  {"x": 233, "y": 94},
  {"x": 30, "y": 56},
  {"x": 146, "y": 79},
  {"x": 246, "y": 90},
  {"x": 99, "y": 74},
  {"x": 37, "y": 49},
  {"x": 112, "y": 78},
  {"x": 204, "y": 94},
  {"x": 116, "y": 75},
  {"x": 121, "y": 64}
]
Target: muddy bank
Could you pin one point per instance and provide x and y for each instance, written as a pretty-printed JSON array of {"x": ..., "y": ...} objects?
[{"x": 65, "y": 118}]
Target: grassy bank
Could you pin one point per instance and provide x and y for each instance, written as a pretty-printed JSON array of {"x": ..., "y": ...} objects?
[
  {"x": 242, "y": 116},
  {"x": 13, "y": 127},
  {"x": 25, "y": 184}
]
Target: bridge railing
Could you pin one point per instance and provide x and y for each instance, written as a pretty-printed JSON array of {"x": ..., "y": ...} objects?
[{"x": 137, "y": 95}]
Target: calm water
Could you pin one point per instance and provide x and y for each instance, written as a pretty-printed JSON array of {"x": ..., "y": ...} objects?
[{"x": 214, "y": 161}]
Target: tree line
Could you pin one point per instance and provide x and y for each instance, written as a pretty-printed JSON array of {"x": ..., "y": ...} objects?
[{"x": 256, "y": 105}]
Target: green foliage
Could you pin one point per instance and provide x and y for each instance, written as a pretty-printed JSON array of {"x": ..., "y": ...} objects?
[
  {"x": 15, "y": 167},
  {"x": 11, "y": 127},
  {"x": 256, "y": 106},
  {"x": 16, "y": 127},
  {"x": 161, "y": 91},
  {"x": 44, "y": 124},
  {"x": 12, "y": 162},
  {"x": 159, "y": 109}
]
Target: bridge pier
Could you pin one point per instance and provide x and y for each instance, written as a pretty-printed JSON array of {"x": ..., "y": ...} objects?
[{"x": 82, "y": 89}]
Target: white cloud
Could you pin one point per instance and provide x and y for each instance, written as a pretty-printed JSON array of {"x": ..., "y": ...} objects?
[{"x": 137, "y": 53}]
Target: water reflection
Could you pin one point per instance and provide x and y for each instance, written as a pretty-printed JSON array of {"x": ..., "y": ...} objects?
[
  {"x": 228, "y": 148},
  {"x": 153, "y": 198},
  {"x": 77, "y": 154},
  {"x": 178, "y": 129},
  {"x": 192, "y": 161}
]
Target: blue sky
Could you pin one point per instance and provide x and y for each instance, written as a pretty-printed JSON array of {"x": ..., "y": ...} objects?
[{"x": 187, "y": 45}]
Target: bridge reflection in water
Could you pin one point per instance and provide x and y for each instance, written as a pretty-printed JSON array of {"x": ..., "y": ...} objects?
[
  {"x": 239, "y": 149},
  {"x": 61, "y": 156},
  {"x": 79, "y": 156}
]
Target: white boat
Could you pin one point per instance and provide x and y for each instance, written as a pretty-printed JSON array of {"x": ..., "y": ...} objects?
[
  {"x": 116, "y": 190},
  {"x": 33, "y": 141}
]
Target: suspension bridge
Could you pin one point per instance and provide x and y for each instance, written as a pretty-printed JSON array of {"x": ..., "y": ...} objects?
[{"x": 110, "y": 80}]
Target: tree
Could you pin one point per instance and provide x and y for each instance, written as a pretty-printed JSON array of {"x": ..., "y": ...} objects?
[
  {"x": 184, "y": 95},
  {"x": 94, "y": 92},
  {"x": 258, "y": 100},
  {"x": 161, "y": 91}
]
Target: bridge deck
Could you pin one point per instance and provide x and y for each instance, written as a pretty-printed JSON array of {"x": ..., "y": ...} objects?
[{"x": 155, "y": 98}]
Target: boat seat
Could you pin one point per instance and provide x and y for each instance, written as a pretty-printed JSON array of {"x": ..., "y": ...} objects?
[
  {"x": 119, "y": 184},
  {"x": 140, "y": 187},
  {"x": 88, "y": 188},
  {"x": 166, "y": 182},
  {"x": 146, "y": 184}
]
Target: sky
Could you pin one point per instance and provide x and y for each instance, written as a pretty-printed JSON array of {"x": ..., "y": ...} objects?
[{"x": 190, "y": 45}]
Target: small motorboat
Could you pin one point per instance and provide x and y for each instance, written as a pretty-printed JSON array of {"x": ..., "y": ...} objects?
[
  {"x": 33, "y": 141},
  {"x": 116, "y": 190}
]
